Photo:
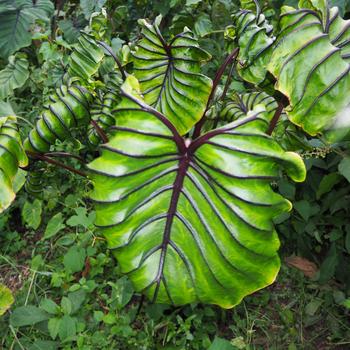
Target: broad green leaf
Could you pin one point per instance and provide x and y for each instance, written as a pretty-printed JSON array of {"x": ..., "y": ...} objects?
[
  {"x": 327, "y": 183},
  {"x": 27, "y": 316},
  {"x": 239, "y": 106},
  {"x": 255, "y": 38},
  {"x": 31, "y": 213},
  {"x": 90, "y": 6},
  {"x": 344, "y": 168},
  {"x": 66, "y": 306},
  {"x": 77, "y": 298},
  {"x": 49, "y": 306},
  {"x": 311, "y": 65},
  {"x": 153, "y": 192},
  {"x": 5, "y": 111},
  {"x": 43, "y": 345},
  {"x": 72, "y": 29},
  {"x": 54, "y": 325},
  {"x": 13, "y": 76},
  {"x": 16, "y": 18},
  {"x": 221, "y": 344},
  {"x": 67, "y": 328},
  {"x": 12, "y": 156},
  {"x": 74, "y": 259},
  {"x": 203, "y": 25},
  {"x": 169, "y": 75},
  {"x": 6, "y": 299},
  {"x": 54, "y": 226}
]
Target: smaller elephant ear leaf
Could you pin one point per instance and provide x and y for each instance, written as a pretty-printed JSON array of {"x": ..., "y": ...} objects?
[
  {"x": 85, "y": 59},
  {"x": 69, "y": 110},
  {"x": 12, "y": 156},
  {"x": 239, "y": 106},
  {"x": 255, "y": 38},
  {"x": 169, "y": 75},
  {"x": 13, "y": 76},
  {"x": 190, "y": 221},
  {"x": 317, "y": 54}
]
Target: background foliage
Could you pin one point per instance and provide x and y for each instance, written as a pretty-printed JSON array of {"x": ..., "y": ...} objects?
[{"x": 68, "y": 292}]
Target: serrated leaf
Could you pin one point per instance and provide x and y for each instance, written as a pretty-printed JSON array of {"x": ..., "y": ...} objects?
[
  {"x": 54, "y": 326},
  {"x": 13, "y": 76},
  {"x": 66, "y": 306},
  {"x": 169, "y": 75},
  {"x": 49, "y": 306},
  {"x": 74, "y": 259},
  {"x": 67, "y": 328},
  {"x": 6, "y": 299},
  {"x": 16, "y": 18},
  {"x": 31, "y": 213},
  {"x": 153, "y": 192},
  {"x": 27, "y": 316},
  {"x": 54, "y": 226}
]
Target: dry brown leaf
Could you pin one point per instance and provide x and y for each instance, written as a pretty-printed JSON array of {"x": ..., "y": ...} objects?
[{"x": 308, "y": 268}]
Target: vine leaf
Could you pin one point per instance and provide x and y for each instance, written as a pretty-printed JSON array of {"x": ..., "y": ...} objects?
[
  {"x": 16, "y": 17},
  {"x": 12, "y": 156},
  {"x": 169, "y": 75},
  {"x": 190, "y": 221},
  {"x": 13, "y": 76},
  {"x": 316, "y": 52}
]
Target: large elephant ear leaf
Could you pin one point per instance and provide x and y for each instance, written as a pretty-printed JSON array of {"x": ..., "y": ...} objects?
[
  {"x": 12, "y": 156},
  {"x": 169, "y": 75},
  {"x": 239, "y": 106},
  {"x": 254, "y": 38},
  {"x": 190, "y": 221},
  {"x": 318, "y": 58}
]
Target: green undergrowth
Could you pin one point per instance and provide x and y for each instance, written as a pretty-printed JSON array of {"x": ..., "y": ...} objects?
[{"x": 69, "y": 294}]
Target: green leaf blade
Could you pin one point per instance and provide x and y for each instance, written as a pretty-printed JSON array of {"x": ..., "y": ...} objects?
[
  {"x": 152, "y": 203},
  {"x": 169, "y": 75}
]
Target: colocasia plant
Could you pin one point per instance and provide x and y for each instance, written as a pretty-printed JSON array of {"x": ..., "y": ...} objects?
[{"x": 183, "y": 185}]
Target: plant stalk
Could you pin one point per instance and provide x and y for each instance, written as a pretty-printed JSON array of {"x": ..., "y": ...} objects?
[
  {"x": 99, "y": 131},
  {"x": 44, "y": 158},
  {"x": 229, "y": 59}
]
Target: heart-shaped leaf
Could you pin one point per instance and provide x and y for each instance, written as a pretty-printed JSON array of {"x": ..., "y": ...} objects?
[
  {"x": 190, "y": 221},
  {"x": 169, "y": 75}
]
